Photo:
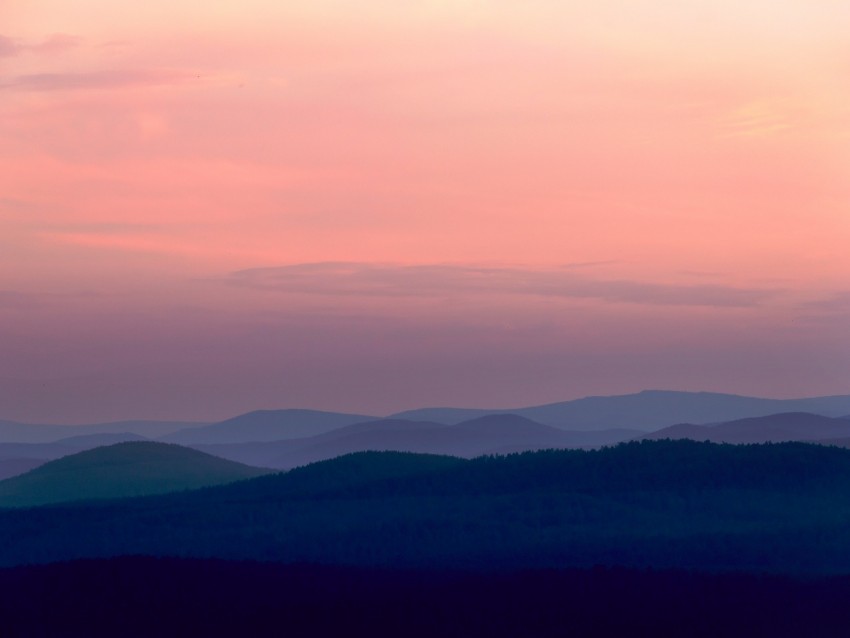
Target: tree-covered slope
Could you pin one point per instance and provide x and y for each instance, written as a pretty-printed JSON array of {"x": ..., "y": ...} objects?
[
  {"x": 120, "y": 470},
  {"x": 778, "y": 507}
]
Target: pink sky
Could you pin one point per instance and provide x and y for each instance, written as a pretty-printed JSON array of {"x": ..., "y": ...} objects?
[{"x": 378, "y": 205}]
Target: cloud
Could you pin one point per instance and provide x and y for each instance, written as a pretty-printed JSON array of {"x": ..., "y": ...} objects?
[
  {"x": 838, "y": 302},
  {"x": 436, "y": 280},
  {"x": 20, "y": 300},
  {"x": 93, "y": 80},
  {"x": 8, "y": 47},
  {"x": 55, "y": 43},
  {"x": 758, "y": 119}
]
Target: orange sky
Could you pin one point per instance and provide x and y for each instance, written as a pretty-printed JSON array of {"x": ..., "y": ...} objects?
[{"x": 206, "y": 209}]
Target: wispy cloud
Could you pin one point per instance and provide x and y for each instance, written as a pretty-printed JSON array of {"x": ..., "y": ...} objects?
[
  {"x": 94, "y": 80},
  {"x": 388, "y": 280},
  {"x": 758, "y": 119},
  {"x": 838, "y": 302},
  {"x": 8, "y": 46},
  {"x": 54, "y": 43}
]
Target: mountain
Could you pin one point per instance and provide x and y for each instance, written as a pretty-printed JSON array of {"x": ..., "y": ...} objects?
[
  {"x": 17, "y": 458},
  {"x": 10, "y": 467},
  {"x": 789, "y": 426},
  {"x": 659, "y": 504},
  {"x": 43, "y": 451},
  {"x": 447, "y": 416},
  {"x": 266, "y": 425},
  {"x": 89, "y": 441},
  {"x": 120, "y": 470},
  {"x": 491, "y": 434},
  {"x": 14, "y": 432},
  {"x": 647, "y": 410}
]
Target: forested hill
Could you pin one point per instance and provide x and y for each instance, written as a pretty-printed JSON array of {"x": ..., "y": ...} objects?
[
  {"x": 779, "y": 507},
  {"x": 124, "y": 469}
]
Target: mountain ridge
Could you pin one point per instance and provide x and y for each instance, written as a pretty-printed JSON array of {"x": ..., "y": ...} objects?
[
  {"x": 126, "y": 469},
  {"x": 661, "y": 504},
  {"x": 785, "y": 426}
]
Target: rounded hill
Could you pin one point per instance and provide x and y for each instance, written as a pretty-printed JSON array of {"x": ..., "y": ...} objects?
[{"x": 134, "y": 468}]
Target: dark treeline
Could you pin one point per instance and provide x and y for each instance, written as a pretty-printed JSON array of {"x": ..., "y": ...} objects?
[
  {"x": 663, "y": 504},
  {"x": 138, "y": 596}
]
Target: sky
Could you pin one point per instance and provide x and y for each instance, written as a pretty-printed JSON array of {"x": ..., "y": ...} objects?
[{"x": 209, "y": 208}]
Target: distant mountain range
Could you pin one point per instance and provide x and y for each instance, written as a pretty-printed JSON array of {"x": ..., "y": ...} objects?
[
  {"x": 14, "y": 432},
  {"x": 648, "y": 411},
  {"x": 267, "y": 425},
  {"x": 121, "y": 470},
  {"x": 790, "y": 426},
  {"x": 288, "y": 438},
  {"x": 491, "y": 434}
]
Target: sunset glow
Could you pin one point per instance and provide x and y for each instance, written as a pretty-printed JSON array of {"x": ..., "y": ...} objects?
[{"x": 377, "y": 206}]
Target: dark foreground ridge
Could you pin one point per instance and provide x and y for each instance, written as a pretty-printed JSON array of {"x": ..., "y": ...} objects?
[
  {"x": 137, "y": 596},
  {"x": 661, "y": 504}
]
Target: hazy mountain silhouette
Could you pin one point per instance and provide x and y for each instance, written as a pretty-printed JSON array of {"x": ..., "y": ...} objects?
[
  {"x": 90, "y": 441},
  {"x": 120, "y": 470},
  {"x": 266, "y": 425},
  {"x": 14, "y": 432},
  {"x": 491, "y": 434},
  {"x": 789, "y": 426},
  {"x": 43, "y": 451},
  {"x": 647, "y": 410}
]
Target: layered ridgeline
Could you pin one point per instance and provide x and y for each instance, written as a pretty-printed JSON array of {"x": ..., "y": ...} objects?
[
  {"x": 15, "y": 432},
  {"x": 491, "y": 434},
  {"x": 779, "y": 507},
  {"x": 267, "y": 425},
  {"x": 505, "y": 433},
  {"x": 791, "y": 426},
  {"x": 644, "y": 411},
  {"x": 648, "y": 410},
  {"x": 121, "y": 470},
  {"x": 636, "y": 413}
]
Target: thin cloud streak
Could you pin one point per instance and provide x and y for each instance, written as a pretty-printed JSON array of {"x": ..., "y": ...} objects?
[
  {"x": 95, "y": 80},
  {"x": 8, "y": 47},
  {"x": 434, "y": 280},
  {"x": 53, "y": 44},
  {"x": 838, "y": 302}
]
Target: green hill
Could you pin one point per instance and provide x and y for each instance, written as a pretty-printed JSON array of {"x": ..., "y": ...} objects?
[{"x": 125, "y": 469}]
